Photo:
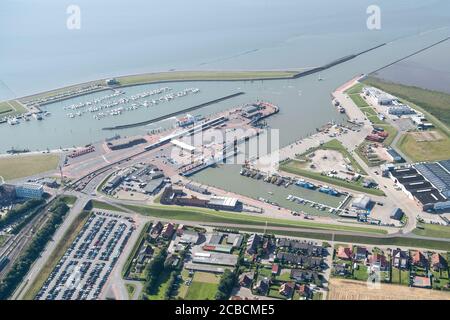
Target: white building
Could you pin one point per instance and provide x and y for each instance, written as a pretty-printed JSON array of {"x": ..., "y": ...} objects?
[
  {"x": 30, "y": 191},
  {"x": 400, "y": 110},
  {"x": 378, "y": 97},
  {"x": 361, "y": 202}
]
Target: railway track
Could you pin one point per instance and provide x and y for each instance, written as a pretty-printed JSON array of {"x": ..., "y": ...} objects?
[{"x": 15, "y": 245}]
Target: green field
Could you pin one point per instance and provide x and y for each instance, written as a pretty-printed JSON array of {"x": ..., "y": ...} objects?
[
  {"x": 358, "y": 100},
  {"x": 375, "y": 120},
  {"x": 202, "y": 291},
  {"x": 424, "y": 151},
  {"x": 361, "y": 273},
  {"x": 56, "y": 255},
  {"x": 357, "y": 88},
  {"x": 288, "y": 167},
  {"x": 215, "y": 216},
  {"x": 432, "y": 230},
  {"x": 368, "y": 111},
  {"x": 14, "y": 167},
  {"x": 400, "y": 276}
]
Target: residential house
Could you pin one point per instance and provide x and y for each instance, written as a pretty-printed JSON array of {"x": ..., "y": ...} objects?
[
  {"x": 400, "y": 259},
  {"x": 438, "y": 262},
  {"x": 344, "y": 253},
  {"x": 379, "y": 261},
  {"x": 156, "y": 230},
  {"x": 252, "y": 243},
  {"x": 275, "y": 269},
  {"x": 418, "y": 259},
  {"x": 341, "y": 269},
  {"x": 287, "y": 289},
  {"x": 306, "y": 276},
  {"x": 301, "y": 260},
  {"x": 246, "y": 279},
  {"x": 262, "y": 286},
  {"x": 360, "y": 253},
  {"x": 306, "y": 248},
  {"x": 304, "y": 291},
  {"x": 168, "y": 231}
]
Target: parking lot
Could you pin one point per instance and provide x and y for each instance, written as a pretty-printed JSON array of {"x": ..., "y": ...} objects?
[{"x": 87, "y": 264}]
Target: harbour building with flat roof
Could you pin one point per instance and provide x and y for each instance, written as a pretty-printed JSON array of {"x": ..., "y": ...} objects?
[{"x": 30, "y": 190}]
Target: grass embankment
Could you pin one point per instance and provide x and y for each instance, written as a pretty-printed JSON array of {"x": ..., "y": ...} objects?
[
  {"x": 436, "y": 108},
  {"x": 290, "y": 167},
  {"x": 203, "y": 75},
  {"x": 69, "y": 199},
  {"x": 103, "y": 206},
  {"x": 14, "y": 167},
  {"x": 432, "y": 230},
  {"x": 213, "y": 216},
  {"x": 359, "y": 101},
  {"x": 395, "y": 241},
  {"x": 56, "y": 255}
]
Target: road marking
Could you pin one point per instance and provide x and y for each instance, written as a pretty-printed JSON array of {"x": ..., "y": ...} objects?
[{"x": 104, "y": 158}]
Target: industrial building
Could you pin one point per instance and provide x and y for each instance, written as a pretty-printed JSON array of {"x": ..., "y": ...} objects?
[
  {"x": 361, "y": 202},
  {"x": 401, "y": 110},
  {"x": 223, "y": 203},
  {"x": 124, "y": 143},
  {"x": 378, "y": 97},
  {"x": 394, "y": 156},
  {"x": 426, "y": 183},
  {"x": 30, "y": 191},
  {"x": 221, "y": 259}
]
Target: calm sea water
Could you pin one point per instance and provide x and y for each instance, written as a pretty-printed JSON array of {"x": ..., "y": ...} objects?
[{"x": 38, "y": 52}]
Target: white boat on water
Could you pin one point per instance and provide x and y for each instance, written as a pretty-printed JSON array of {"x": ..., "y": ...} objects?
[{"x": 13, "y": 121}]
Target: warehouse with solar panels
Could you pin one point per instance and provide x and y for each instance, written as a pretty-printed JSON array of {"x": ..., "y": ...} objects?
[{"x": 427, "y": 183}]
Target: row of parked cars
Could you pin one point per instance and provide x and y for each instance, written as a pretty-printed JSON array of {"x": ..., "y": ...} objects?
[{"x": 86, "y": 265}]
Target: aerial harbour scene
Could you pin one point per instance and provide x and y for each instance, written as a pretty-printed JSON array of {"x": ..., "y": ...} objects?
[{"x": 243, "y": 150}]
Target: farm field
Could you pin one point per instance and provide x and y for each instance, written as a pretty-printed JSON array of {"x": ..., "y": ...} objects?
[{"x": 342, "y": 289}]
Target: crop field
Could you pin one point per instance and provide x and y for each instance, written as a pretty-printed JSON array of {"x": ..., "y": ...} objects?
[{"x": 341, "y": 289}]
